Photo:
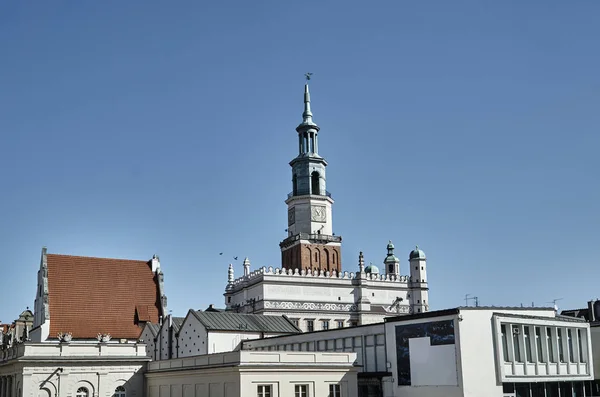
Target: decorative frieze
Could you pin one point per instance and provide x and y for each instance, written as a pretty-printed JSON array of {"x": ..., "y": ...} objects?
[{"x": 310, "y": 306}]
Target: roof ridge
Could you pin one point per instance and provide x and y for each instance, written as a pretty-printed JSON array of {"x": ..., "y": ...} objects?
[{"x": 97, "y": 257}]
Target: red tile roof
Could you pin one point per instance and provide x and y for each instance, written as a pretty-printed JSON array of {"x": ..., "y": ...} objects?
[{"x": 88, "y": 296}]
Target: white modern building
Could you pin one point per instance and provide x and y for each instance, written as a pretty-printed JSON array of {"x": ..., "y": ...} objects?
[
  {"x": 466, "y": 352},
  {"x": 254, "y": 374}
]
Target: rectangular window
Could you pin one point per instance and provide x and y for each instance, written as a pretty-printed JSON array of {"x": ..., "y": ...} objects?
[
  {"x": 295, "y": 321},
  {"x": 580, "y": 345},
  {"x": 504, "y": 343},
  {"x": 334, "y": 391},
  {"x": 340, "y": 324},
  {"x": 570, "y": 346},
  {"x": 354, "y": 323},
  {"x": 538, "y": 344},
  {"x": 310, "y": 325},
  {"x": 301, "y": 391},
  {"x": 325, "y": 324},
  {"x": 264, "y": 391},
  {"x": 561, "y": 353},
  {"x": 527, "y": 338},
  {"x": 517, "y": 344},
  {"x": 551, "y": 354}
]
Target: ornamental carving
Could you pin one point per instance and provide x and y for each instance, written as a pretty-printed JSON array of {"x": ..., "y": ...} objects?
[{"x": 339, "y": 307}]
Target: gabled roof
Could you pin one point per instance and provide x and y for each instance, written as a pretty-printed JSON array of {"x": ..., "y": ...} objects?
[
  {"x": 226, "y": 321},
  {"x": 153, "y": 328},
  {"x": 88, "y": 296},
  {"x": 177, "y": 321}
]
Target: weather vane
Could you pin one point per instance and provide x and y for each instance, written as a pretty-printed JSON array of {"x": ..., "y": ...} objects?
[{"x": 307, "y": 75}]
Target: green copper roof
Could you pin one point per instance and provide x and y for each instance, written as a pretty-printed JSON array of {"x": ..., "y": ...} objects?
[
  {"x": 390, "y": 255},
  {"x": 416, "y": 254},
  {"x": 372, "y": 269}
]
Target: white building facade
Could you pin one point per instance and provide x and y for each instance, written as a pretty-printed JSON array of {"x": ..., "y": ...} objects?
[
  {"x": 73, "y": 369},
  {"x": 326, "y": 300},
  {"x": 252, "y": 374}
]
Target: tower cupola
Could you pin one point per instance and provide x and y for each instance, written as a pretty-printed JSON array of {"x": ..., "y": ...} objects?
[{"x": 391, "y": 262}]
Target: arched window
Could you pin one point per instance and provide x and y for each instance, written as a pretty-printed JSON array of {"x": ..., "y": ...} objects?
[
  {"x": 294, "y": 185},
  {"x": 120, "y": 392},
  {"x": 82, "y": 392},
  {"x": 314, "y": 180}
]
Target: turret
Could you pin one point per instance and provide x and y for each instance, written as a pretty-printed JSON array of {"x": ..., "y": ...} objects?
[
  {"x": 391, "y": 262},
  {"x": 246, "y": 266},
  {"x": 418, "y": 276},
  {"x": 230, "y": 274}
]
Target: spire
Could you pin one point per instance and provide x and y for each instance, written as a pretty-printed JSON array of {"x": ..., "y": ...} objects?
[
  {"x": 230, "y": 274},
  {"x": 246, "y": 266},
  {"x": 307, "y": 114},
  {"x": 361, "y": 262}
]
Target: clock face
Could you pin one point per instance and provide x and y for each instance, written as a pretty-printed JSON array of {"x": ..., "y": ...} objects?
[
  {"x": 291, "y": 216},
  {"x": 318, "y": 213}
]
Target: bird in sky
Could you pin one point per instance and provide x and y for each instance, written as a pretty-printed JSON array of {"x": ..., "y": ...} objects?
[
  {"x": 235, "y": 258},
  {"x": 220, "y": 253}
]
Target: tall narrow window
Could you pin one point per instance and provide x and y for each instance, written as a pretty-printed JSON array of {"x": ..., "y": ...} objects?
[
  {"x": 527, "y": 338},
  {"x": 517, "y": 344},
  {"x": 314, "y": 181},
  {"x": 264, "y": 391},
  {"x": 504, "y": 343},
  {"x": 325, "y": 324},
  {"x": 580, "y": 345},
  {"x": 559, "y": 337},
  {"x": 551, "y": 354},
  {"x": 301, "y": 391},
  {"x": 310, "y": 325},
  {"x": 334, "y": 391},
  {"x": 538, "y": 344},
  {"x": 340, "y": 324},
  {"x": 570, "y": 346},
  {"x": 294, "y": 185}
]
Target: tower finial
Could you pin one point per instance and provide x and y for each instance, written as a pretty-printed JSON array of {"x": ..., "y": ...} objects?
[{"x": 307, "y": 114}]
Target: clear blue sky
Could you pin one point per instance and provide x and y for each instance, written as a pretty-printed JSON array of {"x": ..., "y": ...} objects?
[{"x": 470, "y": 128}]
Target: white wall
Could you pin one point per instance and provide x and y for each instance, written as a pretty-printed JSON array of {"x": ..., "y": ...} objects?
[
  {"x": 222, "y": 341},
  {"x": 238, "y": 374}
]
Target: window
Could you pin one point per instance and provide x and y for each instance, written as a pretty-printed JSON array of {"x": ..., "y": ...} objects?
[
  {"x": 264, "y": 391},
  {"x": 517, "y": 344},
  {"x": 301, "y": 391},
  {"x": 334, "y": 391},
  {"x": 504, "y": 343},
  {"x": 314, "y": 179},
  {"x": 325, "y": 324},
  {"x": 340, "y": 324},
  {"x": 570, "y": 346},
  {"x": 119, "y": 392},
  {"x": 551, "y": 355},
  {"x": 82, "y": 392},
  {"x": 295, "y": 321},
  {"x": 561, "y": 353},
  {"x": 538, "y": 344},
  {"x": 310, "y": 325},
  {"x": 527, "y": 338},
  {"x": 354, "y": 323},
  {"x": 580, "y": 343}
]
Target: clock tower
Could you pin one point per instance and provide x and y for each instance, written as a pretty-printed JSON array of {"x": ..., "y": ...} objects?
[{"x": 311, "y": 243}]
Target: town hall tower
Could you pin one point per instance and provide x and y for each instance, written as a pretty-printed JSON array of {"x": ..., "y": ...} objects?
[{"x": 311, "y": 243}]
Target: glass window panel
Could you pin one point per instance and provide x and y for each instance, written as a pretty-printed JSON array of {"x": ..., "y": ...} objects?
[
  {"x": 552, "y": 389},
  {"x": 527, "y": 339},
  {"x": 504, "y": 342},
  {"x": 538, "y": 344}
]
